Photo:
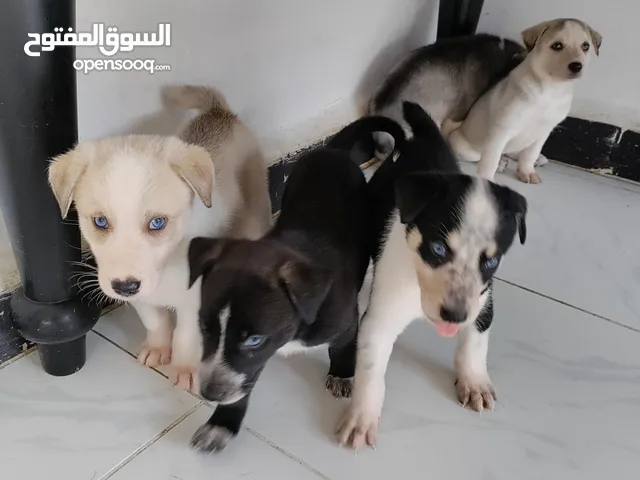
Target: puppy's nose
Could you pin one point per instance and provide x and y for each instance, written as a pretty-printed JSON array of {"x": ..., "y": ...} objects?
[
  {"x": 127, "y": 287},
  {"x": 575, "y": 67},
  {"x": 453, "y": 315},
  {"x": 212, "y": 393}
]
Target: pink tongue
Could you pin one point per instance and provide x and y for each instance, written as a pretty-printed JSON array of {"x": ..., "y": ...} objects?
[{"x": 447, "y": 329}]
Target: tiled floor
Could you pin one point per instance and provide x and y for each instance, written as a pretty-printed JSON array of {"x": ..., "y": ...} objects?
[{"x": 565, "y": 358}]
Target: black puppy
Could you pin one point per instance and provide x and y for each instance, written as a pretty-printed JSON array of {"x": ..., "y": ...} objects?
[
  {"x": 295, "y": 289},
  {"x": 441, "y": 236}
]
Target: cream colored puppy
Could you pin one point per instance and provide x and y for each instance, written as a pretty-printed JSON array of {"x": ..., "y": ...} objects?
[
  {"x": 516, "y": 117},
  {"x": 142, "y": 198}
]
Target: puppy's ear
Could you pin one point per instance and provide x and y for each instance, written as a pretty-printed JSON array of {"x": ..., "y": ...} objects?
[
  {"x": 63, "y": 174},
  {"x": 418, "y": 119},
  {"x": 414, "y": 192},
  {"x": 513, "y": 204},
  {"x": 596, "y": 38},
  {"x": 531, "y": 35},
  {"x": 196, "y": 169},
  {"x": 203, "y": 253},
  {"x": 306, "y": 287}
]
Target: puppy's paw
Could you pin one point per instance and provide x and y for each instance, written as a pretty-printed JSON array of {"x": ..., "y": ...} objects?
[
  {"x": 153, "y": 356},
  {"x": 184, "y": 377},
  {"x": 357, "y": 428},
  {"x": 477, "y": 394},
  {"x": 504, "y": 163},
  {"x": 211, "y": 438},
  {"x": 339, "y": 387},
  {"x": 529, "y": 177},
  {"x": 541, "y": 161}
]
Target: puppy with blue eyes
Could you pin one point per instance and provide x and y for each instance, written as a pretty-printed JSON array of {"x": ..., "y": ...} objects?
[
  {"x": 140, "y": 200},
  {"x": 440, "y": 236},
  {"x": 295, "y": 289}
]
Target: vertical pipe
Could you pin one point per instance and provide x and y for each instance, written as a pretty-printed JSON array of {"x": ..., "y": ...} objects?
[{"x": 38, "y": 120}]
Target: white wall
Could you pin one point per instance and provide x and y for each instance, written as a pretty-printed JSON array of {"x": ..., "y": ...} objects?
[
  {"x": 610, "y": 92},
  {"x": 291, "y": 68}
]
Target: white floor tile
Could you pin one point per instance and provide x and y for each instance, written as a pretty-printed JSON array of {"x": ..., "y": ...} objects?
[
  {"x": 568, "y": 387},
  {"x": 582, "y": 247},
  {"x": 81, "y": 426},
  {"x": 248, "y": 458}
]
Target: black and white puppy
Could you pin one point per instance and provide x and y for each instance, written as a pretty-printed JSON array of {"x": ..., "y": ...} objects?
[
  {"x": 295, "y": 289},
  {"x": 441, "y": 237}
]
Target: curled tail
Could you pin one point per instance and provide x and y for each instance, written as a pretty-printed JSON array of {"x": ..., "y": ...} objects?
[
  {"x": 347, "y": 137},
  {"x": 195, "y": 96}
]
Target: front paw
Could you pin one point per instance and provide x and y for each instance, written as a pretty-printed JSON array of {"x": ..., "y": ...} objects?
[
  {"x": 529, "y": 177},
  {"x": 339, "y": 387},
  {"x": 477, "y": 394},
  {"x": 211, "y": 438},
  {"x": 358, "y": 427},
  {"x": 185, "y": 377},
  {"x": 153, "y": 356}
]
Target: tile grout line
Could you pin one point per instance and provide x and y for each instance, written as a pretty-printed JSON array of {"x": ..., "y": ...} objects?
[
  {"x": 249, "y": 430},
  {"x": 567, "y": 304},
  {"x": 286, "y": 453},
  {"x": 150, "y": 442}
]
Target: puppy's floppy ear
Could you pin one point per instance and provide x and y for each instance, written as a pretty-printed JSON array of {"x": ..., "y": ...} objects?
[
  {"x": 513, "y": 204},
  {"x": 414, "y": 191},
  {"x": 195, "y": 167},
  {"x": 531, "y": 35},
  {"x": 63, "y": 173},
  {"x": 306, "y": 285},
  {"x": 596, "y": 38},
  {"x": 203, "y": 253}
]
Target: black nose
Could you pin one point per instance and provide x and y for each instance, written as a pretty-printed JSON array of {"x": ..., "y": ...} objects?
[
  {"x": 575, "y": 67},
  {"x": 212, "y": 392},
  {"x": 127, "y": 287},
  {"x": 453, "y": 315}
]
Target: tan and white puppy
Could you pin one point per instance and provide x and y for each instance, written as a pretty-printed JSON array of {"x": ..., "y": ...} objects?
[
  {"x": 517, "y": 115},
  {"x": 142, "y": 198}
]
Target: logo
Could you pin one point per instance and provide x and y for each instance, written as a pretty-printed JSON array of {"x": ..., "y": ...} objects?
[{"x": 108, "y": 43}]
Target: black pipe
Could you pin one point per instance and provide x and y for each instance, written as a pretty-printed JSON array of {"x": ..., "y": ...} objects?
[
  {"x": 38, "y": 120},
  {"x": 458, "y": 17}
]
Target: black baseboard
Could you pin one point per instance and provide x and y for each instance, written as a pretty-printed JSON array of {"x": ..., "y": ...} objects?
[
  {"x": 11, "y": 343},
  {"x": 599, "y": 147}
]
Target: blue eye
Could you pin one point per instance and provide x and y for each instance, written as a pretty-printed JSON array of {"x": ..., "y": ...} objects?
[
  {"x": 438, "y": 249},
  {"x": 157, "y": 223},
  {"x": 101, "y": 223},
  {"x": 491, "y": 263},
  {"x": 254, "y": 341}
]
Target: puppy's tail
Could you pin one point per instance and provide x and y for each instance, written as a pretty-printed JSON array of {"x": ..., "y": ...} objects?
[
  {"x": 195, "y": 96},
  {"x": 363, "y": 128}
]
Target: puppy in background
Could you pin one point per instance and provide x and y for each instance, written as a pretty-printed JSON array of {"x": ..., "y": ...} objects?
[
  {"x": 142, "y": 198},
  {"x": 439, "y": 238},
  {"x": 293, "y": 290},
  {"x": 445, "y": 79},
  {"x": 517, "y": 115}
]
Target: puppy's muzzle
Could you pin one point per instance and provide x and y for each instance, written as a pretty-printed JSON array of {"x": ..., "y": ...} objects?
[
  {"x": 127, "y": 287},
  {"x": 219, "y": 391}
]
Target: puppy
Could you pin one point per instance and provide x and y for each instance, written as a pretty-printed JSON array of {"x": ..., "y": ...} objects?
[
  {"x": 441, "y": 236},
  {"x": 517, "y": 115},
  {"x": 295, "y": 289},
  {"x": 445, "y": 79},
  {"x": 142, "y": 198}
]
